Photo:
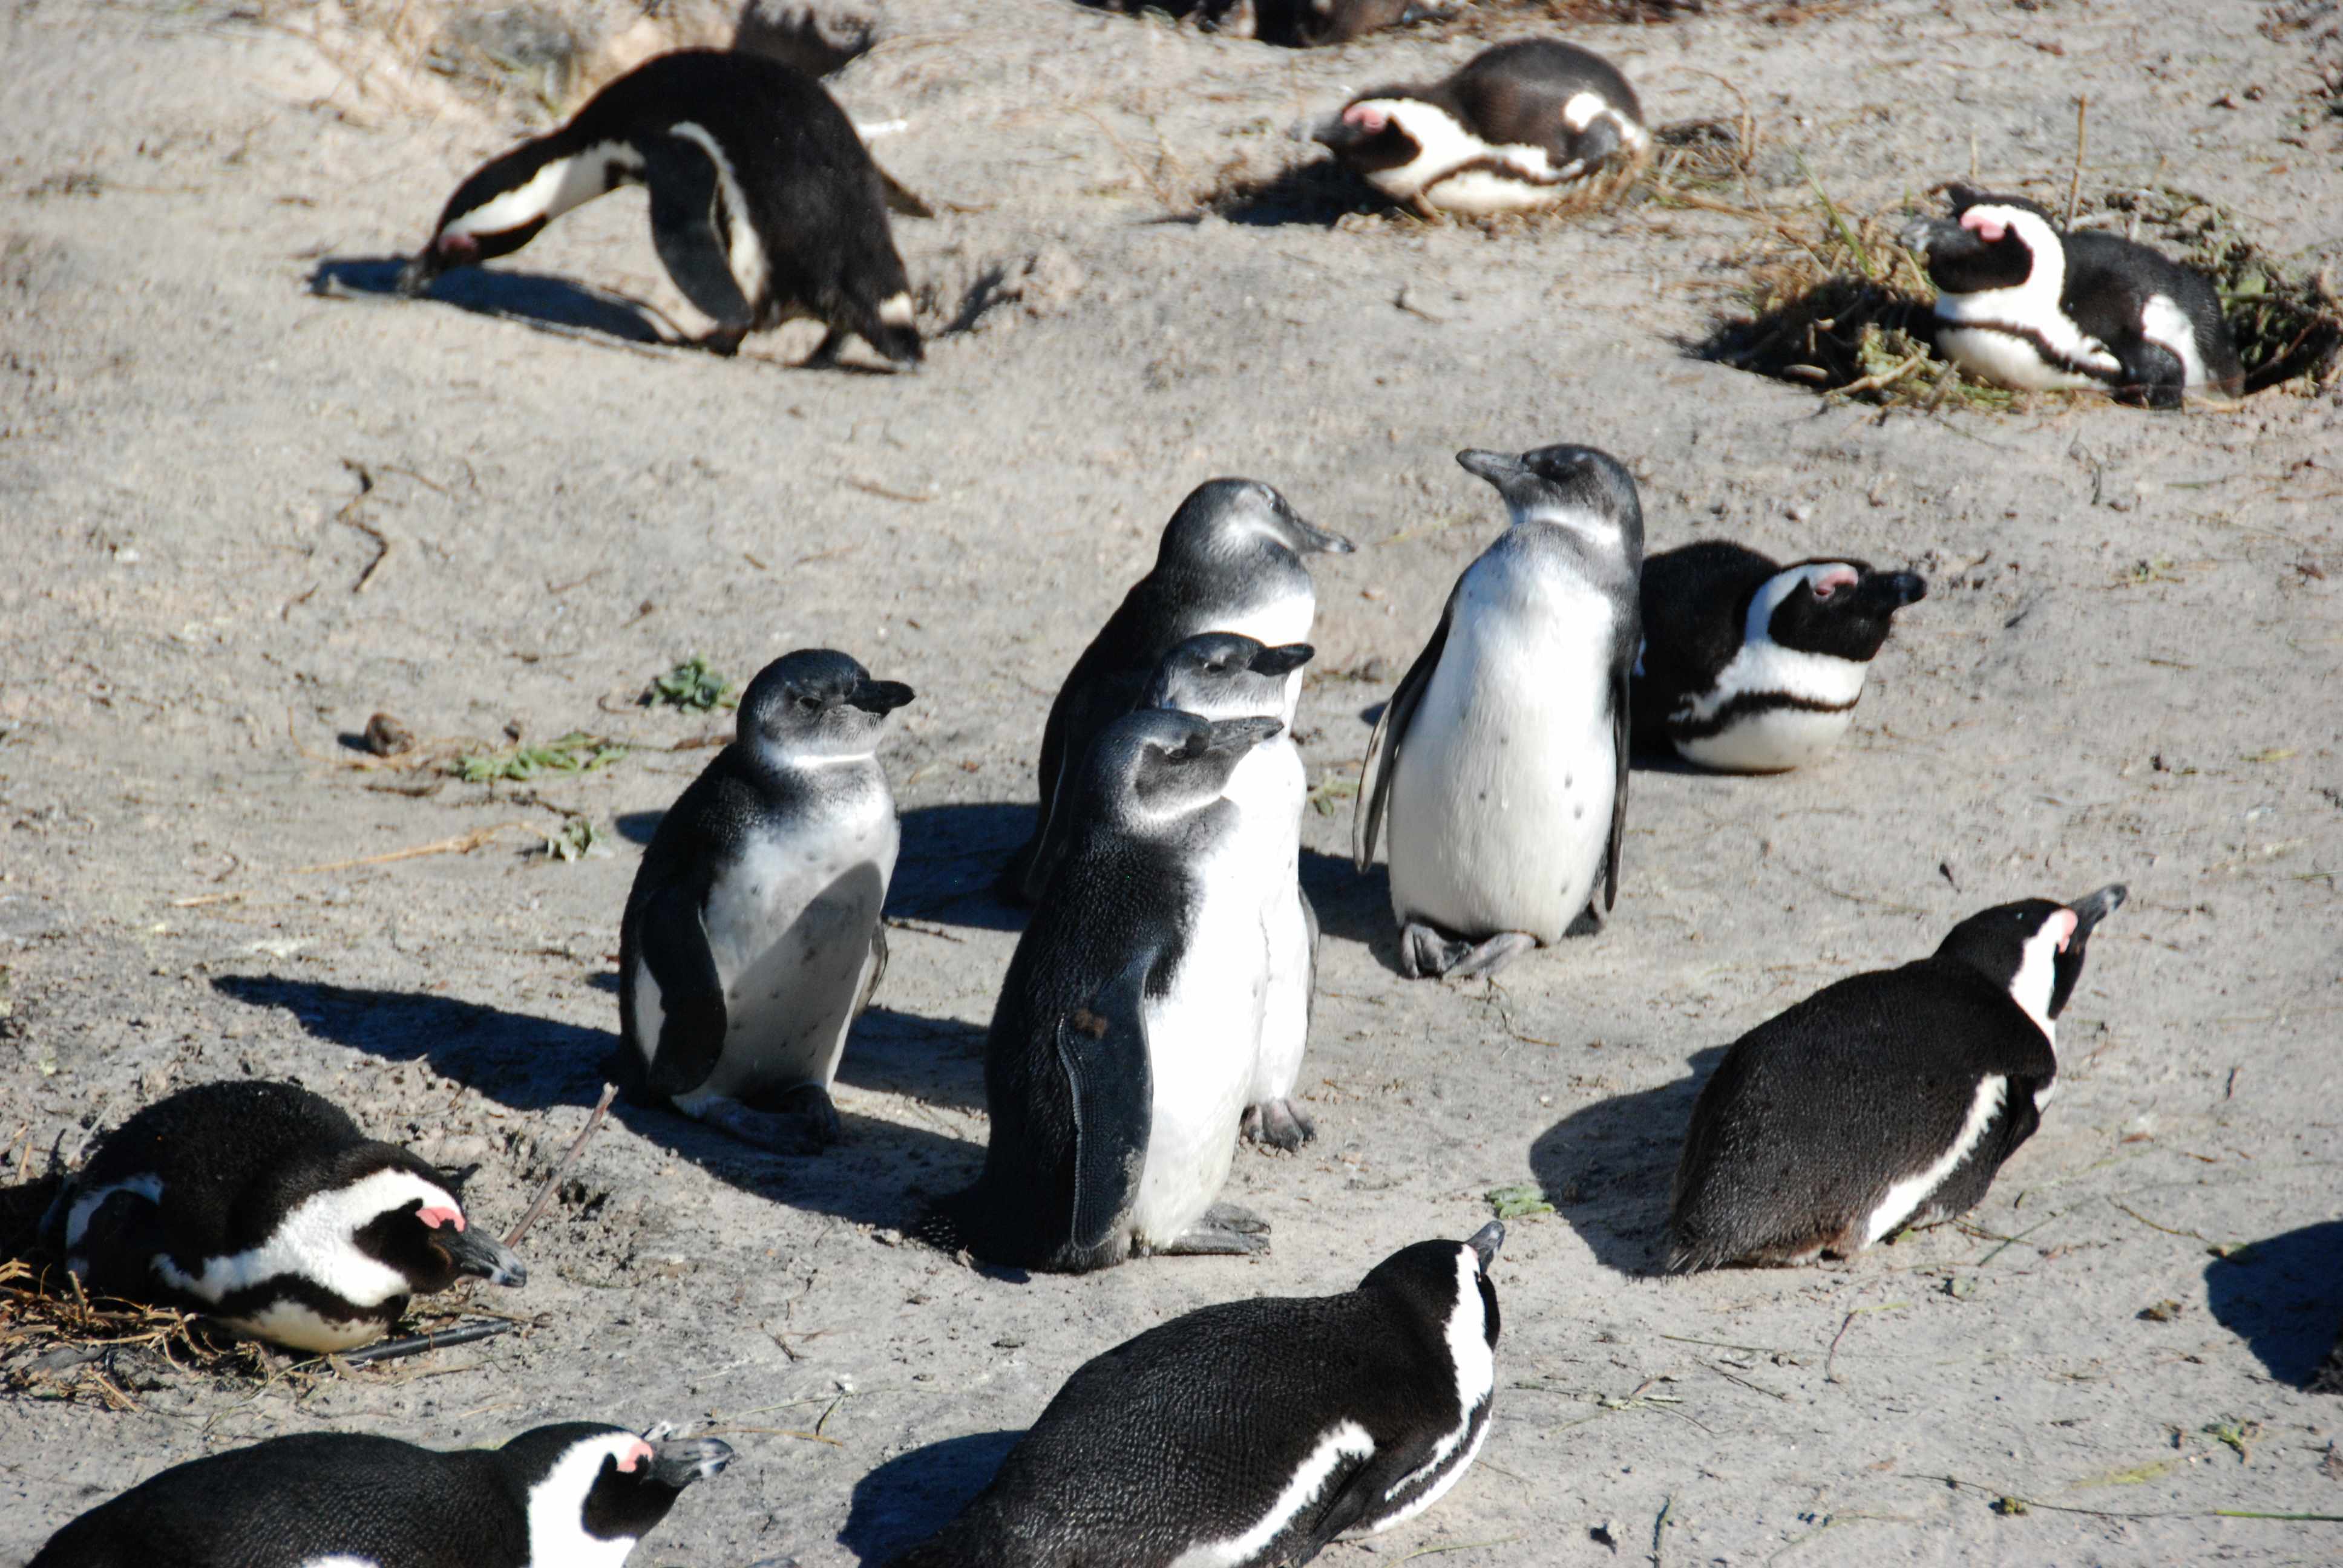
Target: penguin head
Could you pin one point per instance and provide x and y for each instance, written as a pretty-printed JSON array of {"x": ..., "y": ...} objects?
[
  {"x": 400, "y": 1212},
  {"x": 816, "y": 705},
  {"x": 1226, "y": 675},
  {"x": 1446, "y": 1285},
  {"x": 1578, "y": 489},
  {"x": 494, "y": 213},
  {"x": 1991, "y": 242},
  {"x": 1842, "y": 609},
  {"x": 2032, "y": 948},
  {"x": 588, "y": 1488},
  {"x": 1234, "y": 523},
  {"x": 1389, "y": 128},
  {"x": 1158, "y": 766}
]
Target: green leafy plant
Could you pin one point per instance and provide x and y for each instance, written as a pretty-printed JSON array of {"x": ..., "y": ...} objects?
[
  {"x": 693, "y": 687},
  {"x": 576, "y": 752}
]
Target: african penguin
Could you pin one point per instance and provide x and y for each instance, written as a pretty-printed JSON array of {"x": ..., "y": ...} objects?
[
  {"x": 1526, "y": 125},
  {"x": 1123, "y": 1048},
  {"x": 1252, "y": 1432},
  {"x": 1885, "y": 1099},
  {"x": 1503, "y": 753},
  {"x": 1229, "y": 560},
  {"x": 765, "y": 205},
  {"x": 1295, "y": 23},
  {"x": 752, "y": 936},
  {"x": 263, "y": 1206},
  {"x": 1227, "y": 675},
  {"x": 2022, "y": 303},
  {"x": 1753, "y": 668},
  {"x": 571, "y": 1495}
]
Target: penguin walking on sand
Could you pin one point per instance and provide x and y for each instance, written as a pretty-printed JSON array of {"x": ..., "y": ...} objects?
[
  {"x": 575, "y": 1492},
  {"x": 2023, "y": 304},
  {"x": 263, "y": 1206},
  {"x": 1123, "y": 1048},
  {"x": 1500, "y": 762},
  {"x": 1748, "y": 666},
  {"x": 1229, "y": 560},
  {"x": 1885, "y": 1099},
  {"x": 765, "y": 205},
  {"x": 752, "y": 936},
  {"x": 1252, "y": 1432},
  {"x": 1226, "y": 675},
  {"x": 1533, "y": 124}
]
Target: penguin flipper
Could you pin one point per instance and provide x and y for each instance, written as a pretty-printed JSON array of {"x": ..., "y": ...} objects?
[
  {"x": 1391, "y": 734},
  {"x": 690, "y": 229},
  {"x": 672, "y": 944},
  {"x": 1621, "y": 700},
  {"x": 1101, "y": 1048},
  {"x": 901, "y": 199}
]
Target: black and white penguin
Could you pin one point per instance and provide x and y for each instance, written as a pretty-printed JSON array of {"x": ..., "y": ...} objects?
[
  {"x": 1227, "y": 675},
  {"x": 572, "y": 1493},
  {"x": 2023, "y": 304},
  {"x": 1229, "y": 560},
  {"x": 1503, "y": 753},
  {"x": 1749, "y": 666},
  {"x": 1533, "y": 124},
  {"x": 1252, "y": 1432},
  {"x": 263, "y": 1206},
  {"x": 752, "y": 937},
  {"x": 1885, "y": 1099},
  {"x": 1123, "y": 1047},
  {"x": 765, "y": 205},
  {"x": 1295, "y": 24}
]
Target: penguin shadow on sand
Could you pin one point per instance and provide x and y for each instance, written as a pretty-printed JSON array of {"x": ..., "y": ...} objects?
[
  {"x": 1351, "y": 905},
  {"x": 1607, "y": 1169},
  {"x": 2284, "y": 1297},
  {"x": 540, "y": 300},
  {"x": 1318, "y": 193},
  {"x": 882, "y": 1173},
  {"x": 915, "y": 1494}
]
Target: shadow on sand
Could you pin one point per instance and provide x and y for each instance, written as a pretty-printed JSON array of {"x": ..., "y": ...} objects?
[
  {"x": 533, "y": 300},
  {"x": 915, "y": 1494},
  {"x": 2284, "y": 1297},
  {"x": 1607, "y": 1169}
]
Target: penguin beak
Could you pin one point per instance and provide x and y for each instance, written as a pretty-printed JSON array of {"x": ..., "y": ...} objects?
[
  {"x": 1485, "y": 1242},
  {"x": 481, "y": 1255},
  {"x": 677, "y": 1462},
  {"x": 1240, "y": 735},
  {"x": 1498, "y": 468},
  {"x": 2090, "y": 911},
  {"x": 1282, "y": 660},
  {"x": 421, "y": 271},
  {"x": 1315, "y": 538},
  {"x": 1891, "y": 591},
  {"x": 880, "y": 696}
]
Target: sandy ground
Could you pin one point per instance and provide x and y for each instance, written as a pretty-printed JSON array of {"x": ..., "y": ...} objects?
[{"x": 2126, "y": 670}]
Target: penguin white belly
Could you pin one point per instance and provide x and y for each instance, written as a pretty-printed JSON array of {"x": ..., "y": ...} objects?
[
  {"x": 1203, "y": 1038},
  {"x": 1821, "y": 690},
  {"x": 1501, "y": 805},
  {"x": 2008, "y": 361},
  {"x": 1275, "y": 624},
  {"x": 1771, "y": 740},
  {"x": 1481, "y": 193},
  {"x": 298, "y": 1326},
  {"x": 1267, "y": 788}
]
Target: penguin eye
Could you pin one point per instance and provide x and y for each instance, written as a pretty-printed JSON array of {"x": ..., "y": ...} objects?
[{"x": 809, "y": 703}]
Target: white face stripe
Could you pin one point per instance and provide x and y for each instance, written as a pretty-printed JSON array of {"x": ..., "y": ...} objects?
[
  {"x": 1762, "y": 665},
  {"x": 2161, "y": 320},
  {"x": 1345, "y": 1439},
  {"x": 2031, "y": 304},
  {"x": 1903, "y": 1197},
  {"x": 1580, "y": 111},
  {"x": 1470, "y": 1352},
  {"x": 554, "y": 189},
  {"x": 557, "y": 1507},
  {"x": 314, "y": 1241},
  {"x": 84, "y": 1204},
  {"x": 745, "y": 253},
  {"x": 2037, "y": 971}
]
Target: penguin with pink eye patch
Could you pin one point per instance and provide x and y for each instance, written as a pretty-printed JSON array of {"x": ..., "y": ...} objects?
[
  {"x": 1527, "y": 124},
  {"x": 1748, "y": 666},
  {"x": 2023, "y": 304},
  {"x": 574, "y": 1493},
  {"x": 263, "y": 1206}
]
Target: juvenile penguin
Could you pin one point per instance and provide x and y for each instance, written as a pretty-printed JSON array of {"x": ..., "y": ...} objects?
[
  {"x": 752, "y": 937},
  {"x": 1227, "y": 675},
  {"x": 1533, "y": 124},
  {"x": 1748, "y": 666},
  {"x": 1229, "y": 560},
  {"x": 2021, "y": 303},
  {"x": 1501, "y": 760},
  {"x": 765, "y": 205},
  {"x": 574, "y": 1493},
  {"x": 1885, "y": 1099},
  {"x": 263, "y": 1205},
  {"x": 1123, "y": 1047},
  {"x": 1252, "y": 1432}
]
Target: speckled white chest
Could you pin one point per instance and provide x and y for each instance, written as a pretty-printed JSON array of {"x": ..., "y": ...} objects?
[{"x": 1267, "y": 790}]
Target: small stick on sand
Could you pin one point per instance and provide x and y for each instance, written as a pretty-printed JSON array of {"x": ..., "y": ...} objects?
[
  {"x": 545, "y": 1193},
  {"x": 415, "y": 1345},
  {"x": 2075, "y": 188},
  {"x": 462, "y": 844}
]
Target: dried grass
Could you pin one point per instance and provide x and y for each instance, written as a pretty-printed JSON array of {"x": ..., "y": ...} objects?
[
  {"x": 56, "y": 1343},
  {"x": 2288, "y": 323}
]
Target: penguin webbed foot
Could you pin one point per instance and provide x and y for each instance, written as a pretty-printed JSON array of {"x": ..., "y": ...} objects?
[
  {"x": 1279, "y": 1123},
  {"x": 799, "y": 1121},
  {"x": 1226, "y": 1230},
  {"x": 1426, "y": 952},
  {"x": 724, "y": 342}
]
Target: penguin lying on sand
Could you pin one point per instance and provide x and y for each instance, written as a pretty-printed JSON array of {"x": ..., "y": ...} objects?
[
  {"x": 1230, "y": 560},
  {"x": 1526, "y": 125},
  {"x": 1755, "y": 668},
  {"x": 575, "y": 1492},
  {"x": 2023, "y": 304},
  {"x": 1252, "y": 1432},
  {"x": 765, "y": 205},
  {"x": 263, "y": 1206},
  {"x": 1501, "y": 760},
  {"x": 1295, "y": 23},
  {"x": 752, "y": 936},
  {"x": 1885, "y": 1100},
  {"x": 1123, "y": 1047}
]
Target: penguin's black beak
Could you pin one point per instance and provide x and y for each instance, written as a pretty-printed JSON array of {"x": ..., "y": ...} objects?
[
  {"x": 1239, "y": 735},
  {"x": 481, "y": 1255},
  {"x": 1485, "y": 1242},
  {"x": 1282, "y": 660},
  {"x": 1888, "y": 592},
  {"x": 416, "y": 278},
  {"x": 1311, "y": 538},
  {"x": 880, "y": 696},
  {"x": 2090, "y": 911},
  {"x": 677, "y": 1462},
  {"x": 1500, "y": 468}
]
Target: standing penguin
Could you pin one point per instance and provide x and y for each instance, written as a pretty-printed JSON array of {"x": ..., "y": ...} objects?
[
  {"x": 1503, "y": 753},
  {"x": 1123, "y": 1047},
  {"x": 1230, "y": 560},
  {"x": 263, "y": 1206},
  {"x": 575, "y": 1492},
  {"x": 1227, "y": 675},
  {"x": 1753, "y": 667},
  {"x": 752, "y": 936},
  {"x": 1885, "y": 1099},
  {"x": 1532, "y": 124},
  {"x": 1252, "y": 1432},
  {"x": 2023, "y": 304},
  {"x": 765, "y": 205}
]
